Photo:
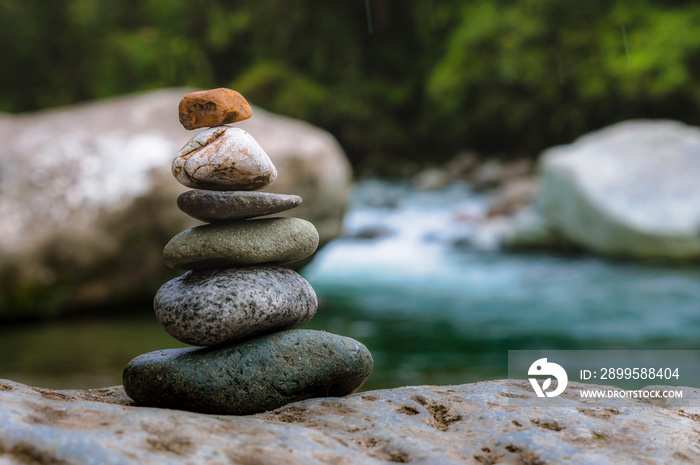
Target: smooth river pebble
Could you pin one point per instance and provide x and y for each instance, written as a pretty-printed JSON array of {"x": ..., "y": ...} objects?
[
  {"x": 242, "y": 243},
  {"x": 212, "y": 206},
  {"x": 213, "y": 107},
  {"x": 223, "y": 158},
  {"x": 208, "y": 307},
  {"x": 254, "y": 376}
]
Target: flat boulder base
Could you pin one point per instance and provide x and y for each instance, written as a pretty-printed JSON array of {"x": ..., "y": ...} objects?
[
  {"x": 464, "y": 424},
  {"x": 213, "y": 206},
  {"x": 242, "y": 243},
  {"x": 254, "y": 376},
  {"x": 209, "y": 307},
  {"x": 207, "y": 108},
  {"x": 223, "y": 158}
]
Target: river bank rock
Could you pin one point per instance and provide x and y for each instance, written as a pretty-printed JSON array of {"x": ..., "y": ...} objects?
[
  {"x": 529, "y": 231},
  {"x": 628, "y": 190},
  {"x": 87, "y": 201},
  {"x": 465, "y": 424}
]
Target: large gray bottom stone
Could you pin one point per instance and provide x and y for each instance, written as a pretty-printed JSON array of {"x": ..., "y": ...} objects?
[
  {"x": 466, "y": 424},
  {"x": 254, "y": 376},
  {"x": 212, "y": 206},
  {"x": 243, "y": 243},
  {"x": 208, "y": 307}
]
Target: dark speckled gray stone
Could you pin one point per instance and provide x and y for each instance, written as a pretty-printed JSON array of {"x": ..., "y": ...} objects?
[
  {"x": 254, "y": 376},
  {"x": 208, "y": 307},
  {"x": 242, "y": 243},
  {"x": 213, "y": 206}
]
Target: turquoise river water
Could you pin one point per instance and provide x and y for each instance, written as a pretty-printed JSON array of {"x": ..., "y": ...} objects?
[{"x": 430, "y": 309}]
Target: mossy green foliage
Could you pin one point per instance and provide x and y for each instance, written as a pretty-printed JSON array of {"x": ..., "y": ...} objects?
[
  {"x": 432, "y": 77},
  {"x": 546, "y": 71}
]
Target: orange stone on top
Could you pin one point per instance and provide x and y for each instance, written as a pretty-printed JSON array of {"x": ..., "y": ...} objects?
[{"x": 208, "y": 108}]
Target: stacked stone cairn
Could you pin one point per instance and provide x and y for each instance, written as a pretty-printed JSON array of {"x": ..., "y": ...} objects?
[{"x": 238, "y": 304}]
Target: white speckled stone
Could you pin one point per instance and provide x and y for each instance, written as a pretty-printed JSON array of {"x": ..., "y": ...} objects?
[
  {"x": 223, "y": 158},
  {"x": 223, "y": 306}
]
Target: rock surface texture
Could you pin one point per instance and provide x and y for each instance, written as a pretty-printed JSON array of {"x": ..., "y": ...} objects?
[
  {"x": 224, "y": 306},
  {"x": 628, "y": 190},
  {"x": 89, "y": 185},
  {"x": 231, "y": 304},
  {"x": 467, "y": 424},
  {"x": 215, "y": 107}
]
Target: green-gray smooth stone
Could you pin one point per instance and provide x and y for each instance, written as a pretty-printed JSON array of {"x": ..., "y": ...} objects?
[
  {"x": 242, "y": 243},
  {"x": 254, "y": 376}
]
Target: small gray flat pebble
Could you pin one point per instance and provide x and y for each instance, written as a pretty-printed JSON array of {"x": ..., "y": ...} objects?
[
  {"x": 254, "y": 376},
  {"x": 208, "y": 307},
  {"x": 212, "y": 206},
  {"x": 242, "y": 243}
]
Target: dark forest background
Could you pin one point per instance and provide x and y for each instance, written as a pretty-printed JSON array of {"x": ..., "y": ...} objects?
[{"x": 413, "y": 81}]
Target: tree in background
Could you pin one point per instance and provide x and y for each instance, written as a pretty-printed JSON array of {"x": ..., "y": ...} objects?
[
  {"x": 432, "y": 77},
  {"x": 540, "y": 72}
]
